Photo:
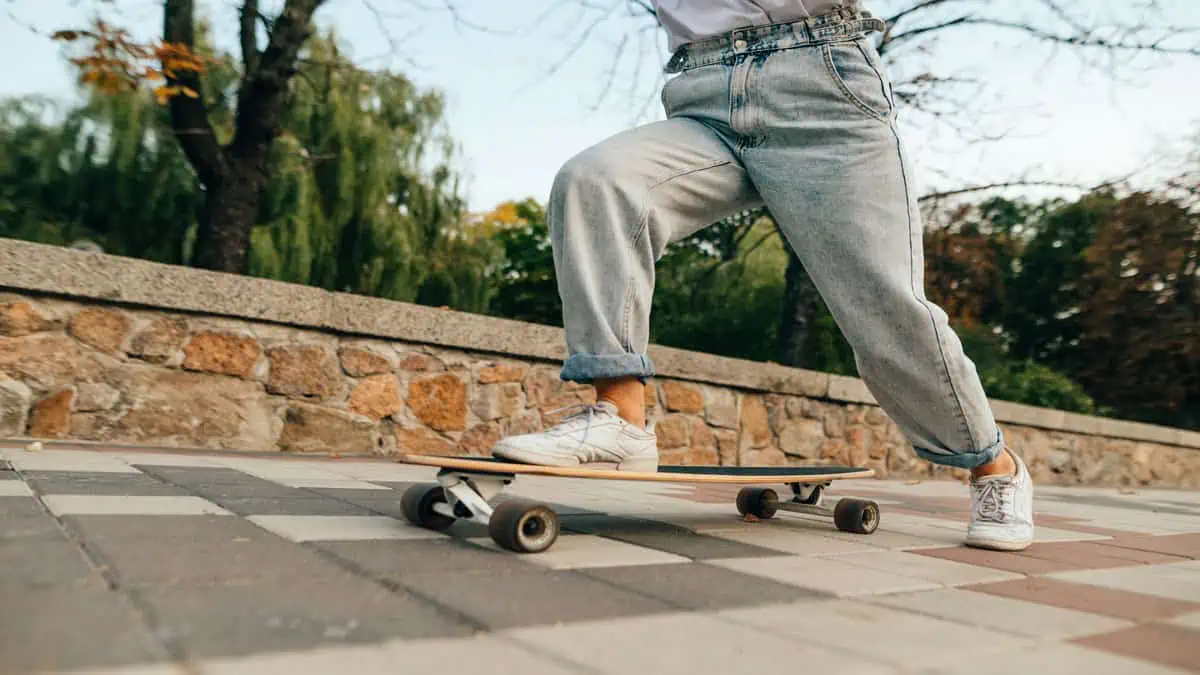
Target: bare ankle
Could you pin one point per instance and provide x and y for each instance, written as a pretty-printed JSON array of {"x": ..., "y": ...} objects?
[
  {"x": 1003, "y": 465},
  {"x": 628, "y": 395}
]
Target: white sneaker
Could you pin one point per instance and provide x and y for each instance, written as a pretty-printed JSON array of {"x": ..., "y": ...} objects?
[
  {"x": 1002, "y": 510},
  {"x": 593, "y": 437}
]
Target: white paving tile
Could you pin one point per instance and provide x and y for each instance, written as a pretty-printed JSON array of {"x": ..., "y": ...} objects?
[
  {"x": 164, "y": 459},
  {"x": 1058, "y": 659},
  {"x": 106, "y": 505},
  {"x": 156, "y": 669},
  {"x": 1019, "y": 617},
  {"x": 1175, "y": 581},
  {"x": 684, "y": 644},
  {"x": 580, "y": 551},
  {"x": 937, "y": 570},
  {"x": 340, "y": 528},
  {"x": 826, "y": 575},
  {"x": 889, "y": 636},
  {"x": 335, "y": 483},
  {"x": 14, "y": 488},
  {"x": 280, "y": 469},
  {"x": 483, "y": 654},
  {"x": 1187, "y": 621},
  {"x": 383, "y": 471},
  {"x": 67, "y": 460},
  {"x": 789, "y": 540}
]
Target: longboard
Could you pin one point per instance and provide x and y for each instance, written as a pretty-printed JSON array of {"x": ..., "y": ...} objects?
[{"x": 466, "y": 485}]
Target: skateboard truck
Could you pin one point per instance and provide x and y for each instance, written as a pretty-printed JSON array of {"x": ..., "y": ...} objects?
[{"x": 859, "y": 516}]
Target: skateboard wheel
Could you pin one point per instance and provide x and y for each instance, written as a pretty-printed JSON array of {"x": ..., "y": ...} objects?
[
  {"x": 856, "y": 515},
  {"x": 523, "y": 526},
  {"x": 417, "y": 506},
  {"x": 758, "y": 502}
]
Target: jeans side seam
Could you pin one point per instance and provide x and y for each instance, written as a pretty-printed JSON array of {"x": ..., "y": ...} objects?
[{"x": 962, "y": 413}]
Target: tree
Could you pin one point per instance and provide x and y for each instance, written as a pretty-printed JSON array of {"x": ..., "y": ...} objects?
[{"x": 236, "y": 169}]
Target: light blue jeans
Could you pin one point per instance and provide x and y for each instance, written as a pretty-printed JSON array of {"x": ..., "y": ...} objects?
[{"x": 800, "y": 118}]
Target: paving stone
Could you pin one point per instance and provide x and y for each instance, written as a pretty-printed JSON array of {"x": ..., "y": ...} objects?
[
  {"x": 827, "y": 575},
  {"x": 1092, "y": 599},
  {"x": 14, "y": 488},
  {"x": 68, "y": 460},
  {"x": 235, "y": 619},
  {"x": 893, "y": 637},
  {"x": 1167, "y": 645},
  {"x": 1184, "y": 545},
  {"x": 684, "y": 644},
  {"x": 53, "y": 630},
  {"x": 787, "y": 540},
  {"x": 939, "y": 571},
  {"x": 998, "y": 560},
  {"x": 333, "y": 484},
  {"x": 1059, "y": 659},
  {"x": 578, "y": 551},
  {"x": 1165, "y": 581},
  {"x": 664, "y": 537},
  {"x": 64, "y": 505},
  {"x": 701, "y": 586},
  {"x": 341, "y": 528},
  {"x": 483, "y": 654},
  {"x": 98, "y": 483},
  {"x": 24, "y": 519},
  {"x": 313, "y": 505},
  {"x": 1010, "y": 615},
  {"x": 222, "y": 482},
  {"x": 1187, "y": 621},
  {"x": 1095, "y": 555},
  {"x": 152, "y": 550},
  {"x": 506, "y": 598},
  {"x": 30, "y": 564},
  {"x": 397, "y": 560}
]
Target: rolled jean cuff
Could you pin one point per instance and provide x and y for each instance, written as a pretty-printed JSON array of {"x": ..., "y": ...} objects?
[
  {"x": 964, "y": 460},
  {"x": 585, "y": 368}
]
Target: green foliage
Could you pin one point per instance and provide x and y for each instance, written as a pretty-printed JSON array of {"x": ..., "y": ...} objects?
[{"x": 1035, "y": 384}]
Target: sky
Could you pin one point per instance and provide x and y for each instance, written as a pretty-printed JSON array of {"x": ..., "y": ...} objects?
[{"x": 517, "y": 118}]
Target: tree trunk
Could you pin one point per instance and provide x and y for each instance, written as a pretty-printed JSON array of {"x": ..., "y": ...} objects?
[
  {"x": 230, "y": 213},
  {"x": 800, "y": 304}
]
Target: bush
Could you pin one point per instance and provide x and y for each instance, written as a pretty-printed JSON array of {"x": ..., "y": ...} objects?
[{"x": 1032, "y": 384}]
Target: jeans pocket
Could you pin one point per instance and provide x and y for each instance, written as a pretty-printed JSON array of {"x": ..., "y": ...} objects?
[{"x": 856, "y": 70}]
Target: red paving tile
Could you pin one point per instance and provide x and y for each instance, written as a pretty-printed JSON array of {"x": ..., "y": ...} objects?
[
  {"x": 1169, "y": 645},
  {"x": 998, "y": 560},
  {"x": 1088, "y": 598},
  {"x": 1095, "y": 555},
  {"x": 1182, "y": 545}
]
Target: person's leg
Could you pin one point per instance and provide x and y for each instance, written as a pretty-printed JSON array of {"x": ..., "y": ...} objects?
[
  {"x": 613, "y": 210},
  {"x": 823, "y": 151}
]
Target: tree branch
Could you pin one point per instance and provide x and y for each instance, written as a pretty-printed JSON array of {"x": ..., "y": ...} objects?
[
  {"x": 249, "y": 36},
  {"x": 200, "y": 143},
  {"x": 263, "y": 92}
]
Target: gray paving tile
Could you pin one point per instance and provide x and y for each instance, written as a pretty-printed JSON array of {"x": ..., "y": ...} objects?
[
  {"x": 218, "y": 483},
  {"x": 98, "y": 483},
  {"x": 150, "y": 550},
  {"x": 396, "y": 560},
  {"x": 664, "y": 537},
  {"x": 39, "y": 563},
  {"x": 500, "y": 599},
  {"x": 62, "y": 629},
  {"x": 24, "y": 518},
  {"x": 698, "y": 586},
  {"x": 292, "y": 506},
  {"x": 238, "y": 619}
]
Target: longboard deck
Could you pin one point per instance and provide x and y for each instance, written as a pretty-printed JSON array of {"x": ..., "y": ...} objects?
[{"x": 665, "y": 473}]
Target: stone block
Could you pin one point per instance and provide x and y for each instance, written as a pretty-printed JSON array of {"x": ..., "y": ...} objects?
[
  {"x": 221, "y": 353},
  {"x": 481, "y": 438},
  {"x": 360, "y": 362},
  {"x": 22, "y": 318},
  {"x": 303, "y": 371},
  {"x": 702, "y": 437},
  {"x": 51, "y": 416},
  {"x": 15, "y": 399},
  {"x": 494, "y": 373},
  {"x": 496, "y": 401},
  {"x": 376, "y": 397},
  {"x": 419, "y": 363},
  {"x": 849, "y": 389},
  {"x": 310, "y": 428},
  {"x": 721, "y": 407},
  {"x": 682, "y": 397},
  {"x": 439, "y": 401},
  {"x": 93, "y": 396},
  {"x": 160, "y": 340},
  {"x": 755, "y": 422},
  {"x": 102, "y": 329},
  {"x": 672, "y": 432},
  {"x": 421, "y": 441},
  {"x": 727, "y": 446},
  {"x": 802, "y": 438},
  {"x": 46, "y": 361}
]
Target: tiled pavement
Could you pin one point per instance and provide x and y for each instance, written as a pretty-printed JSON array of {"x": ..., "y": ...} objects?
[{"x": 137, "y": 562}]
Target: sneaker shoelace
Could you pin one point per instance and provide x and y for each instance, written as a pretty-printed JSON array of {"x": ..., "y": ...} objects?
[
  {"x": 583, "y": 412},
  {"x": 992, "y": 496}
]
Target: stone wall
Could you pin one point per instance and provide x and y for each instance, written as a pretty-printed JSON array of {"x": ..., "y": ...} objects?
[{"x": 100, "y": 348}]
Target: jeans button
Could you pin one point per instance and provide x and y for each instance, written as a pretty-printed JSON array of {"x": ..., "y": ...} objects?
[{"x": 739, "y": 45}]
